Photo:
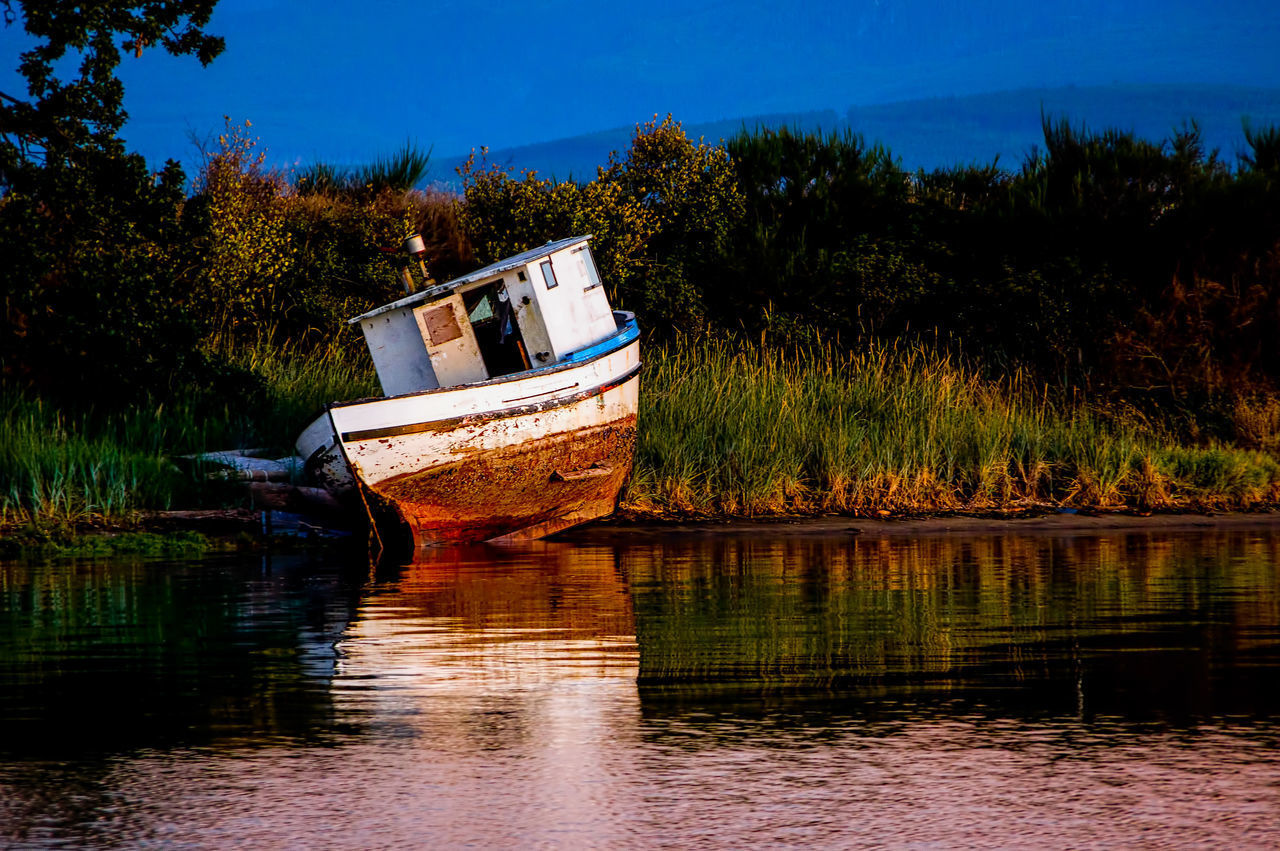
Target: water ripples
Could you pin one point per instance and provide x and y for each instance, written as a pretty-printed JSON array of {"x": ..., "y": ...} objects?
[{"x": 956, "y": 692}]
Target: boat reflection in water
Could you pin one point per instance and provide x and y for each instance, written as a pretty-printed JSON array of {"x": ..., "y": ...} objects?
[
  {"x": 667, "y": 690},
  {"x": 502, "y": 618},
  {"x": 481, "y": 668}
]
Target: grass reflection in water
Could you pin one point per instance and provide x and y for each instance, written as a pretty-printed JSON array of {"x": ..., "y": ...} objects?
[
  {"x": 1137, "y": 623},
  {"x": 730, "y": 692}
]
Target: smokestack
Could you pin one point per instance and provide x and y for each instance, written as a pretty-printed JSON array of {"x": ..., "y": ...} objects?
[{"x": 417, "y": 249}]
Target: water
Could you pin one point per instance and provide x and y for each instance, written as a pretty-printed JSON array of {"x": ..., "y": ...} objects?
[{"x": 675, "y": 692}]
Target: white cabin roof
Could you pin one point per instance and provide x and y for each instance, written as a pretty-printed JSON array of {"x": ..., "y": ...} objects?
[{"x": 524, "y": 258}]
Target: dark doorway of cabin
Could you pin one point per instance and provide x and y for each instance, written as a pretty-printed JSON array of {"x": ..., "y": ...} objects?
[{"x": 497, "y": 334}]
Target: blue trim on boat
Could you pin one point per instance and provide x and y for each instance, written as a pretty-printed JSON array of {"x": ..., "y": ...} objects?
[
  {"x": 500, "y": 413},
  {"x": 627, "y": 332}
]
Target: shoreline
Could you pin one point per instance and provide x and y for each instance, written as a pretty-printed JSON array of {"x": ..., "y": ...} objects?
[
  {"x": 615, "y": 529},
  {"x": 222, "y": 530}
]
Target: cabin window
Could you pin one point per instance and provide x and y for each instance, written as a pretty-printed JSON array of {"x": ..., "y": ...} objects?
[
  {"x": 482, "y": 309},
  {"x": 497, "y": 332},
  {"x": 549, "y": 275},
  {"x": 589, "y": 270}
]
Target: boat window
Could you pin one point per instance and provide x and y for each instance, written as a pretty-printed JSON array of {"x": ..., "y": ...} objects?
[
  {"x": 497, "y": 333},
  {"x": 589, "y": 268},
  {"x": 481, "y": 310},
  {"x": 549, "y": 274}
]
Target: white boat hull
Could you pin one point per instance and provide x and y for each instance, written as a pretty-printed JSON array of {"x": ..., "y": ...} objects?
[{"x": 511, "y": 458}]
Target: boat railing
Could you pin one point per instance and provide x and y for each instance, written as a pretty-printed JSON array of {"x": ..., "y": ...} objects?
[{"x": 627, "y": 331}]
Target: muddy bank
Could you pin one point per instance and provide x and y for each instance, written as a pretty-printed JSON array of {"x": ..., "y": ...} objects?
[
  {"x": 225, "y": 529},
  {"x": 616, "y": 530}
]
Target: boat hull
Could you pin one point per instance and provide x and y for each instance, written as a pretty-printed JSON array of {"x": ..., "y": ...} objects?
[
  {"x": 517, "y": 492},
  {"x": 500, "y": 461}
]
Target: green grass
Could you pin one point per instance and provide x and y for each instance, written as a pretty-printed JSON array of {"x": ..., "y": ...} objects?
[
  {"x": 299, "y": 385},
  {"x": 737, "y": 429},
  {"x": 51, "y": 469},
  {"x": 726, "y": 428},
  {"x": 41, "y": 543},
  {"x": 56, "y": 468}
]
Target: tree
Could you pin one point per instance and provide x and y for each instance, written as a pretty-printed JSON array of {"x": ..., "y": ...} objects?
[
  {"x": 659, "y": 215},
  {"x": 93, "y": 281},
  {"x": 58, "y": 117},
  {"x": 690, "y": 191},
  {"x": 503, "y": 215}
]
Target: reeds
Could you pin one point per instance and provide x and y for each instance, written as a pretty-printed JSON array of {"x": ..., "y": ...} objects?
[
  {"x": 727, "y": 428},
  {"x": 51, "y": 470},
  {"x": 58, "y": 468},
  {"x": 299, "y": 383},
  {"x": 742, "y": 429}
]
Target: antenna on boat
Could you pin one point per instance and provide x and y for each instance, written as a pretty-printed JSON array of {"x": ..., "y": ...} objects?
[{"x": 417, "y": 249}]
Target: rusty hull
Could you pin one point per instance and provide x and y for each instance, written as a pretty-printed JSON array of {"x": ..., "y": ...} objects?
[{"x": 523, "y": 491}]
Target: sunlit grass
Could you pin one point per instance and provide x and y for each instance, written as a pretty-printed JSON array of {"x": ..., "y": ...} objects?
[
  {"x": 728, "y": 428},
  {"x": 51, "y": 469},
  {"x": 60, "y": 468}
]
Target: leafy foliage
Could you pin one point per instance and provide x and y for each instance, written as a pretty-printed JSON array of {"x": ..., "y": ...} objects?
[
  {"x": 801, "y": 257},
  {"x": 245, "y": 249},
  {"x": 62, "y": 117},
  {"x": 660, "y": 217},
  {"x": 293, "y": 261},
  {"x": 689, "y": 193},
  {"x": 93, "y": 283},
  {"x": 93, "y": 290}
]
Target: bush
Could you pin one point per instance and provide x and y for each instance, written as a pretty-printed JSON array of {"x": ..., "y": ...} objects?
[
  {"x": 661, "y": 217},
  {"x": 293, "y": 260},
  {"x": 97, "y": 296}
]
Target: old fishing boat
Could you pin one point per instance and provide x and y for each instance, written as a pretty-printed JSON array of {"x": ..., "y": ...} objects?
[{"x": 509, "y": 409}]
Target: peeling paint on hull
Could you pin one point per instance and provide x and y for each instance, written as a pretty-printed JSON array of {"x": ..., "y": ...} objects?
[
  {"x": 516, "y": 492},
  {"x": 500, "y": 461}
]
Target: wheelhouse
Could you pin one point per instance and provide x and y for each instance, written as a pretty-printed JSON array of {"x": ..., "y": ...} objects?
[{"x": 536, "y": 309}]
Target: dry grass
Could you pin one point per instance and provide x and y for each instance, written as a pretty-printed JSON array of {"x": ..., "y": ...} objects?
[{"x": 747, "y": 430}]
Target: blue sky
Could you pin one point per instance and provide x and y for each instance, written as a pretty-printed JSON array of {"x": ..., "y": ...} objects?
[{"x": 345, "y": 82}]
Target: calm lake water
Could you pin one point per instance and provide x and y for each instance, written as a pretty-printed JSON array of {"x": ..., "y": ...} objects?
[{"x": 1043, "y": 692}]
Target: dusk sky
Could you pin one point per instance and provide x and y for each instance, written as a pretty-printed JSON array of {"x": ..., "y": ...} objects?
[{"x": 345, "y": 82}]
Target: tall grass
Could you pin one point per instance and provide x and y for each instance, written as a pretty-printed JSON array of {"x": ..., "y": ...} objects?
[
  {"x": 298, "y": 384},
  {"x": 52, "y": 470},
  {"x": 726, "y": 428},
  {"x": 743, "y": 429},
  {"x": 59, "y": 468}
]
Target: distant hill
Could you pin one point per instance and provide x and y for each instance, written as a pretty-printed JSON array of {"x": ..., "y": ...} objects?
[
  {"x": 578, "y": 157},
  {"x": 940, "y": 132},
  {"x": 946, "y": 131}
]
